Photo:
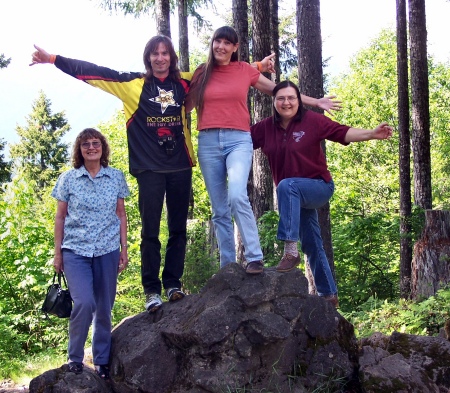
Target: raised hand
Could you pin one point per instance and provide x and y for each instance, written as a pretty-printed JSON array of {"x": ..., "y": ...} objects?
[
  {"x": 328, "y": 104},
  {"x": 40, "y": 56},
  {"x": 382, "y": 131},
  {"x": 268, "y": 64}
]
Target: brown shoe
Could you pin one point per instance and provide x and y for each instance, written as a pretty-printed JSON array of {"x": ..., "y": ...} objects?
[
  {"x": 288, "y": 262},
  {"x": 255, "y": 267},
  {"x": 332, "y": 299}
]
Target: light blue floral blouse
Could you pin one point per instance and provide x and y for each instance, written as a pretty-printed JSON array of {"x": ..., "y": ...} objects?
[{"x": 91, "y": 227}]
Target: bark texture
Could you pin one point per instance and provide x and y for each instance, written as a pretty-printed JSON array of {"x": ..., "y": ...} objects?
[
  {"x": 240, "y": 21},
  {"x": 420, "y": 104},
  {"x": 275, "y": 37},
  {"x": 183, "y": 36},
  {"x": 431, "y": 261},
  {"x": 162, "y": 10},
  {"x": 310, "y": 72},
  {"x": 262, "y": 190},
  {"x": 404, "y": 151}
]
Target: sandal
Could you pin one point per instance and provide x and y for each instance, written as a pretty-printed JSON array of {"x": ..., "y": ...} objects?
[
  {"x": 75, "y": 367},
  {"x": 102, "y": 371}
]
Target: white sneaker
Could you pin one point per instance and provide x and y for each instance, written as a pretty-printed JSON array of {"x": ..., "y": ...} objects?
[
  {"x": 174, "y": 294},
  {"x": 152, "y": 302}
]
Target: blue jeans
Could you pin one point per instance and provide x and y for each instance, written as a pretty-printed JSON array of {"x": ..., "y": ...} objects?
[
  {"x": 92, "y": 283},
  {"x": 175, "y": 187},
  {"x": 298, "y": 199},
  {"x": 225, "y": 158}
]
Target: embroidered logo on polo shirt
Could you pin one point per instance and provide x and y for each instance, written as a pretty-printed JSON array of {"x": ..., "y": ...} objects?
[
  {"x": 165, "y": 98},
  {"x": 297, "y": 135}
]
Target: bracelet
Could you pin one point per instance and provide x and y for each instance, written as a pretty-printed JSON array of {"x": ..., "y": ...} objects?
[
  {"x": 124, "y": 245},
  {"x": 259, "y": 66},
  {"x": 52, "y": 59}
]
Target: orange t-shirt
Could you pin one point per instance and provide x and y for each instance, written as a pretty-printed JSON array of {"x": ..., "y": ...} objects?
[{"x": 225, "y": 98}]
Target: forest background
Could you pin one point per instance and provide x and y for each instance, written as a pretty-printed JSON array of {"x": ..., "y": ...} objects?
[{"x": 364, "y": 210}]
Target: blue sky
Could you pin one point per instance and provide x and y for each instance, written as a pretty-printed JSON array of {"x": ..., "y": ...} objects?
[{"x": 80, "y": 29}]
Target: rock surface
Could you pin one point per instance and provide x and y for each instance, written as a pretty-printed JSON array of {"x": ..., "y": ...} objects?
[
  {"x": 254, "y": 332},
  {"x": 405, "y": 363},
  {"x": 260, "y": 333},
  {"x": 60, "y": 380}
]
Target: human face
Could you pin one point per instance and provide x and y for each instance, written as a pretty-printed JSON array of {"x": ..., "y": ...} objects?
[
  {"x": 160, "y": 61},
  {"x": 91, "y": 150},
  {"x": 222, "y": 50},
  {"x": 286, "y": 103}
]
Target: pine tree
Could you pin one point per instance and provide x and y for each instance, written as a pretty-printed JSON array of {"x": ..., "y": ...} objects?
[
  {"x": 40, "y": 153},
  {"x": 4, "y": 62},
  {"x": 5, "y": 166}
]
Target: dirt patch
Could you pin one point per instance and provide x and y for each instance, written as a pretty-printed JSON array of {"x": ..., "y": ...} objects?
[{"x": 9, "y": 386}]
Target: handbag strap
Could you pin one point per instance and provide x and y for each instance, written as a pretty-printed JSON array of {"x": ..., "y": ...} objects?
[
  {"x": 64, "y": 279},
  {"x": 61, "y": 274}
]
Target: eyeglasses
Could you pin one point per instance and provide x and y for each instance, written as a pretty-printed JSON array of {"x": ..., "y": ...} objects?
[
  {"x": 87, "y": 145},
  {"x": 282, "y": 99}
]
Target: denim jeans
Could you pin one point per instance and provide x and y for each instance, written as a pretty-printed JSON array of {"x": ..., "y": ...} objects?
[
  {"x": 225, "y": 158},
  {"x": 92, "y": 283},
  {"x": 298, "y": 199},
  {"x": 176, "y": 187}
]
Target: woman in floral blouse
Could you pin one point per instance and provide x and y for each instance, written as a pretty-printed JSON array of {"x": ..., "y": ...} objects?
[{"x": 91, "y": 245}]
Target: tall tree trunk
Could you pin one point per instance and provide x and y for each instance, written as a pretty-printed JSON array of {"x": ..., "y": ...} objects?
[
  {"x": 420, "y": 104},
  {"x": 240, "y": 21},
  {"x": 275, "y": 38},
  {"x": 183, "y": 39},
  {"x": 309, "y": 39},
  {"x": 431, "y": 262},
  {"x": 162, "y": 10},
  {"x": 183, "y": 62},
  {"x": 404, "y": 151},
  {"x": 262, "y": 191},
  {"x": 275, "y": 48}
]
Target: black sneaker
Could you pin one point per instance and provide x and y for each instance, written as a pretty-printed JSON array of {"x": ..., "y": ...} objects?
[
  {"x": 75, "y": 367},
  {"x": 174, "y": 294}
]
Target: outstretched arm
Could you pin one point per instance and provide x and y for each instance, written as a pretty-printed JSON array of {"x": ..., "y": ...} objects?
[
  {"x": 327, "y": 103},
  {"x": 382, "y": 131},
  {"x": 265, "y": 85}
]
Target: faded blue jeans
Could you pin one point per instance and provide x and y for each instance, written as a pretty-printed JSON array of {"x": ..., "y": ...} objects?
[
  {"x": 225, "y": 158},
  {"x": 298, "y": 199},
  {"x": 92, "y": 283}
]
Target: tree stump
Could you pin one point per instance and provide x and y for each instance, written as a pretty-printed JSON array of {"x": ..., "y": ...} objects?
[{"x": 431, "y": 260}]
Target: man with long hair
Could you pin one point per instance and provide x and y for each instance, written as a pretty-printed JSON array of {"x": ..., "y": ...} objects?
[{"x": 160, "y": 153}]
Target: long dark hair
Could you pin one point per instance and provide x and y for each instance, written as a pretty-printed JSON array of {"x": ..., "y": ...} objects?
[
  {"x": 83, "y": 136},
  {"x": 198, "y": 85},
  {"x": 283, "y": 85},
  {"x": 152, "y": 46}
]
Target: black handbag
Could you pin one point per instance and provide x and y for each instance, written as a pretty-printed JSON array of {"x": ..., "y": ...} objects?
[{"x": 58, "y": 300}]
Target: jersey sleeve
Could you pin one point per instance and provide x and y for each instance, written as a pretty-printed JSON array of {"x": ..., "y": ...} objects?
[{"x": 114, "y": 82}]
